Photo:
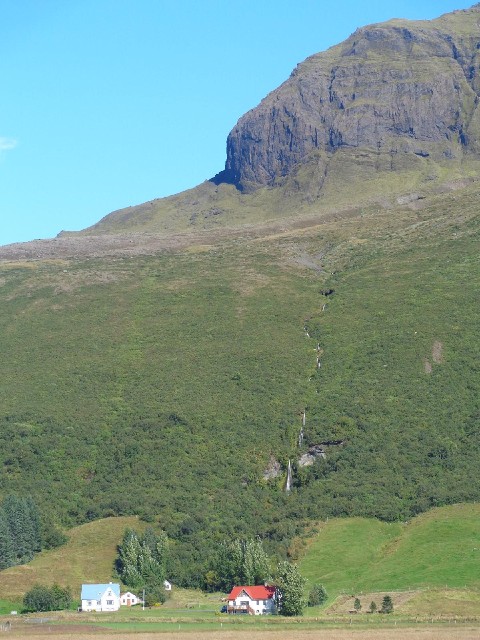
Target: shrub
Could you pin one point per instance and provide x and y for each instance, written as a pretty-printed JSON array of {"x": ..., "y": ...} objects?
[
  {"x": 42, "y": 598},
  {"x": 317, "y": 596}
]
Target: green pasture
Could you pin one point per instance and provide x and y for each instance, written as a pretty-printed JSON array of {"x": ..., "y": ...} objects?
[{"x": 439, "y": 550}]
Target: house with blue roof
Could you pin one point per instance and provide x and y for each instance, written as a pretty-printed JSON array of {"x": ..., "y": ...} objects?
[{"x": 100, "y": 597}]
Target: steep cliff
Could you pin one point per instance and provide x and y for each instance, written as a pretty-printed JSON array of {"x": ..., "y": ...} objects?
[{"x": 396, "y": 88}]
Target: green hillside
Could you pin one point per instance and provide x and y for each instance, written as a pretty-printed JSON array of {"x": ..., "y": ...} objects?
[
  {"x": 163, "y": 384},
  {"x": 88, "y": 556},
  {"x": 438, "y": 549}
]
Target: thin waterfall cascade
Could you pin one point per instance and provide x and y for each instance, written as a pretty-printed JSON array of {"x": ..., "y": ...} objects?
[{"x": 288, "y": 484}]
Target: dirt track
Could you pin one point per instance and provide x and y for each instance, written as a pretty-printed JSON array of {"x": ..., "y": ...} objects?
[{"x": 72, "y": 632}]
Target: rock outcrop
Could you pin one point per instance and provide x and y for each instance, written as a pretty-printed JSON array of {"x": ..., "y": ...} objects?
[{"x": 398, "y": 87}]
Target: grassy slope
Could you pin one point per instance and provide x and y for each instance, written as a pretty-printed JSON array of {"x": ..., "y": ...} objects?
[
  {"x": 351, "y": 555},
  {"x": 88, "y": 556},
  {"x": 436, "y": 549}
]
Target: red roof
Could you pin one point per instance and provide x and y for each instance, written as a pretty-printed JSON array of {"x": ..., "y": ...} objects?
[{"x": 255, "y": 593}]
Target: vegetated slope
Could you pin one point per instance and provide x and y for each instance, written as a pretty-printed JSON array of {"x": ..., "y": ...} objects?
[
  {"x": 439, "y": 549},
  {"x": 88, "y": 556},
  {"x": 163, "y": 384}
]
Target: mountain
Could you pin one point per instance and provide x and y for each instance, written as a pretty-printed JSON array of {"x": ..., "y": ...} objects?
[
  {"x": 391, "y": 112},
  {"x": 390, "y": 95},
  {"x": 164, "y": 361}
]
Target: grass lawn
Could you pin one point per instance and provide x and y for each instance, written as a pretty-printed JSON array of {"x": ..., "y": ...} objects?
[{"x": 440, "y": 548}]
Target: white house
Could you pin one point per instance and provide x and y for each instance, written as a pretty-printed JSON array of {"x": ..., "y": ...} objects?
[
  {"x": 129, "y": 599},
  {"x": 255, "y": 601},
  {"x": 167, "y": 585},
  {"x": 100, "y": 597}
]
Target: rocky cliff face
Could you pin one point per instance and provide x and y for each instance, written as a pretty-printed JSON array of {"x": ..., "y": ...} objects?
[{"x": 394, "y": 88}]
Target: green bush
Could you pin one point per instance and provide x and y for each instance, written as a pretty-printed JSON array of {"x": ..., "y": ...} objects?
[
  {"x": 42, "y": 598},
  {"x": 317, "y": 596}
]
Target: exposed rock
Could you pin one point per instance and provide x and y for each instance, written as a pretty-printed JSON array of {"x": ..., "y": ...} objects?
[
  {"x": 437, "y": 352},
  {"x": 314, "y": 452},
  {"x": 273, "y": 470},
  {"x": 398, "y": 87},
  {"x": 410, "y": 197}
]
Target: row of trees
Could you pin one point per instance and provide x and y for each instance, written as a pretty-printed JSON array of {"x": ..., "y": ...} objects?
[
  {"x": 142, "y": 562},
  {"x": 387, "y": 605},
  {"x": 238, "y": 562},
  {"x": 20, "y": 531},
  {"x": 24, "y": 532}
]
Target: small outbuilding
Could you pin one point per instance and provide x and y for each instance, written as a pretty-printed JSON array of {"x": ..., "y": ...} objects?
[{"x": 129, "y": 599}]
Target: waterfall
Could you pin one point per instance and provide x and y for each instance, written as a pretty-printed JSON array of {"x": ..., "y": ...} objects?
[
  {"x": 288, "y": 484},
  {"x": 301, "y": 434}
]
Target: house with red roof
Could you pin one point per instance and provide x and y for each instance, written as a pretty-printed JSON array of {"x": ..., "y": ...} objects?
[{"x": 256, "y": 600}]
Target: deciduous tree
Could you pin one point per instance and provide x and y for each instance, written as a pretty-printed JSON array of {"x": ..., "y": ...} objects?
[{"x": 290, "y": 590}]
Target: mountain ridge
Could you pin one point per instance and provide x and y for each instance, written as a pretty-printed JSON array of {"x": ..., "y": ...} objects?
[
  {"x": 390, "y": 112},
  {"x": 369, "y": 91}
]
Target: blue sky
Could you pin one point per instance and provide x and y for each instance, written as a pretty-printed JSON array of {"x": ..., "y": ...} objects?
[{"x": 110, "y": 103}]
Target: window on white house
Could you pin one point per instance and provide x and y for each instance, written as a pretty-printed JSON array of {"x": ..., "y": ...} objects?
[{"x": 110, "y": 602}]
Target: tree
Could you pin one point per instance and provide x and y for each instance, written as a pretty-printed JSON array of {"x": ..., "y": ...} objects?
[
  {"x": 238, "y": 562},
  {"x": 24, "y": 523},
  {"x": 127, "y": 562},
  {"x": 290, "y": 585},
  {"x": 317, "y": 596},
  {"x": 141, "y": 561},
  {"x": 387, "y": 605},
  {"x": 7, "y": 558},
  {"x": 41, "y": 598},
  {"x": 357, "y": 605},
  {"x": 61, "y": 597},
  {"x": 256, "y": 563},
  {"x": 373, "y": 607},
  {"x": 155, "y": 594}
]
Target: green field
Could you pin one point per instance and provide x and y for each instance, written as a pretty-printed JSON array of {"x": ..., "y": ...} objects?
[{"x": 439, "y": 549}]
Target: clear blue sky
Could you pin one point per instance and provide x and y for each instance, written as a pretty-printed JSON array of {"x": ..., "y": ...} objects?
[{"x": 110, "y": 103}]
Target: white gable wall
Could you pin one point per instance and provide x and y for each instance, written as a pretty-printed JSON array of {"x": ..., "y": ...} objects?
[
  {"x": 129, "y": 599},
  {"x": 106, "y": 601},
  {"x": 258, "y": 606},
  {"x": 110, "y": 601}
]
